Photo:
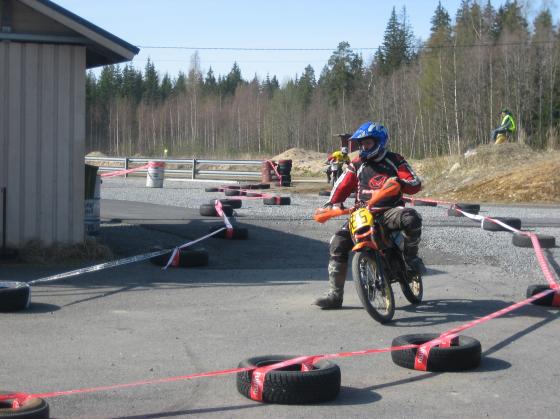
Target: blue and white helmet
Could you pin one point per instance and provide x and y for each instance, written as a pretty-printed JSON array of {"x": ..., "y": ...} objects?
[{"x": 371, "y": 130}]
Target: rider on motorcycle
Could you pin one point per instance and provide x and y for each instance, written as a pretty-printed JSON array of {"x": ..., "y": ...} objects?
[
  {"x": 340, "y": 157},
  {"x": 365, "y": 174}
]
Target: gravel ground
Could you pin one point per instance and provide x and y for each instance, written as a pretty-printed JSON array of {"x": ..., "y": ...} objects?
[{"x": 459, "y": 237}]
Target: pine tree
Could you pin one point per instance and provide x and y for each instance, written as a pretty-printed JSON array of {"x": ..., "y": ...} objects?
[
  {"x": 210, "y": 86},
  {"x": 510, "y": 19},
  {"x": 131, "y": 86},
  {"x": 269, "y": 86},
  {"x": 151, "y": 83},
  {"x": 306, "y": 85},
  {"x": 398, "y": 44},
  {"x": 342, "y": 73},
  {"x": 180, "y": 85},
  {"x": 232, "y": 80},
  {"x": 441, "y": 22},
  {"x": 166, "y": 87}
]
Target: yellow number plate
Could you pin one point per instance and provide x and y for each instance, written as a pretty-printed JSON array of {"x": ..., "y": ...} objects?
[{"x": 359, "y": 219}]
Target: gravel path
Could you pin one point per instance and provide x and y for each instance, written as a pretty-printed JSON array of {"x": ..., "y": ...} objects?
[{"x": 461, "y": 240}]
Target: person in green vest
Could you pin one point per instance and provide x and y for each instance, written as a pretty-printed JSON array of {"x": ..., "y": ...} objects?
[{"x": 506, "y": 128}]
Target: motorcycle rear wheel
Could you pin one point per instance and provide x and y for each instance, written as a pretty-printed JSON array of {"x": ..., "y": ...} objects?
[
  {"x": 412, "y": 288},
  {"x": 373, "y": 287}
]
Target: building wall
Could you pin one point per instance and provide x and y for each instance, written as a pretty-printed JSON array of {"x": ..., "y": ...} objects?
[{"x": 42, "y": 141}]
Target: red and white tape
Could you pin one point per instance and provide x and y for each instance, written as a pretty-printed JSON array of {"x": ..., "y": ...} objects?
[
  {"x": 275, "y": 171},
  {"x": 124, "y": 172}
]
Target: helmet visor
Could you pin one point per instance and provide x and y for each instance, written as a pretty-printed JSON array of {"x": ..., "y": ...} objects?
[{"x": 367, "y": 143}]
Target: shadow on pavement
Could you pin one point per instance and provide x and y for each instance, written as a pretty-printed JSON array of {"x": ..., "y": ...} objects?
[
  {"x": 434, "y": 312},
  {"x": 183, "y": 413}
]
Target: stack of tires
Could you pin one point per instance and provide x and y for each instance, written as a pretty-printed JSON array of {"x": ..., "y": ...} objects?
[{"x": 285, "y": 169}]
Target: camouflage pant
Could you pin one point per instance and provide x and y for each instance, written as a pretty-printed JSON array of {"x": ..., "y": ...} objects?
[{"x": 405, "y": 219}]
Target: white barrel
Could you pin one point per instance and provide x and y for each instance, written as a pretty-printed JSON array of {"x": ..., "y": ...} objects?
[
  {"x": 92, "y": 210},
  {"x": 156, "y": 173}
]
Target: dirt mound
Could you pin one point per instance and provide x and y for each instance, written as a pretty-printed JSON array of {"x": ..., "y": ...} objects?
[
  {"x": 505, "y": 173},
  {"x": 304, "y": 162},
  {"x": 96, "y": 154},
  {"x": 525, "y": 183}
]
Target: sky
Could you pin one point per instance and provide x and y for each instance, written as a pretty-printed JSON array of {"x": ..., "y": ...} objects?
[{"x": 252, "y": 24}]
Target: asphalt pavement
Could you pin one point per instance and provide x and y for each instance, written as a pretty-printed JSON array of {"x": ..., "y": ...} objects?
[{"x": 136, "y": 322}]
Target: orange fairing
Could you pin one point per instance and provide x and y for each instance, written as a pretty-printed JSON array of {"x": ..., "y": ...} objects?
[
  {"x": 324, "y": 214},
  {"x": 360, "y": 246},
  {"x": 390, "y": 188}
]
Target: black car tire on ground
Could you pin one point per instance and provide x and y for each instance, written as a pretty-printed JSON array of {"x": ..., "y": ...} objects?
[
  {"x": 290, "y": 385},
  {"x": 521, "y": 240},
  {"x": 209, "y": 210},
  {"x": 211, "y": 189},
  {"x": 277, "y": 200},
  {"x": 510, "y": 221},
  {"x": 34, "y": 408},
  {"x": 324, "y": 193},
  {"x": 188, "y": 258},
  {"x": 544, "y": 301},
  {"x": 453, "y": 212},
  {"x": 234, "y": 203},
  {"x": 418, "y": 203},
  {"x": 232, "y": 192},
  {"x": 468, "y": 207},
  {"x": 14, "y": 295},
  {"x": 239, "y": 233},
  {"x": 463, "y": 355}
]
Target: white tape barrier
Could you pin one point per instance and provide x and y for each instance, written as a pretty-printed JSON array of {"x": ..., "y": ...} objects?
[
  {"x": 220, "y": 211},
  {"x": 481, "y": 219},
  {"x": 176, "y": 250},
  {"x": 120, "y": 262},
  {"x": 100, "y": 267}
]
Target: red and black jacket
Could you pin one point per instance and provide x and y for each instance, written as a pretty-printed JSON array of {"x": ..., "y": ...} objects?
[{"x": 365, "y": 177}]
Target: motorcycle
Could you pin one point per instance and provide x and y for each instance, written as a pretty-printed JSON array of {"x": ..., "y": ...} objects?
[
  {"x": 335, "y": 170},
  {"x": 378, "y": 259}
]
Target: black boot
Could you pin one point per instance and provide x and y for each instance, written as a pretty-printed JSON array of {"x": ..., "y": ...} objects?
[
  {"x": 330, "y": 301},
  {"x": 416, "y": 264}
]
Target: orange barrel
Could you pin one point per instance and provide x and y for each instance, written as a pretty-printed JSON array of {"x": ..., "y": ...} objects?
[{"x": 265, "y": 172}]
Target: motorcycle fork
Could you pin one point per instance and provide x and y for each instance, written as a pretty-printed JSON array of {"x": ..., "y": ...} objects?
[{"x": 379, "y": 257}]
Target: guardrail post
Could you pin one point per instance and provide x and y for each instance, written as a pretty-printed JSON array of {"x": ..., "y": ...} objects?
[
  {"x": 3, "y": 220},
  {"x": 126, "y": 166},
  {"x": 193, "y": 176}
]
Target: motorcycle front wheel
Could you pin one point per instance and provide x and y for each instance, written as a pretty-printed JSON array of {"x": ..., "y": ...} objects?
[{"x": 373, "y": 287}]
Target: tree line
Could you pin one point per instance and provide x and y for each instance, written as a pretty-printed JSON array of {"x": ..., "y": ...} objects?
[{"x": 439, "y": 96}]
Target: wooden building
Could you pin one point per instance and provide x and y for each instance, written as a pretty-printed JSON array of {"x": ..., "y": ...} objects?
[{"x": 44, "y": 53}]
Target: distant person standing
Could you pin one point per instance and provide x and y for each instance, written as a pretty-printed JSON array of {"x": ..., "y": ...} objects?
[{"x": 506, "y": 128}]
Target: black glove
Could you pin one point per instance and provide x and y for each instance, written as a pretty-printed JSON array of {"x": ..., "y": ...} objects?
[{"x": 328, "y": 205}]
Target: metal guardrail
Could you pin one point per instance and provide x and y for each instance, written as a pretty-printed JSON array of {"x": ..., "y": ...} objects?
[{"x": 193, "y": 169}]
